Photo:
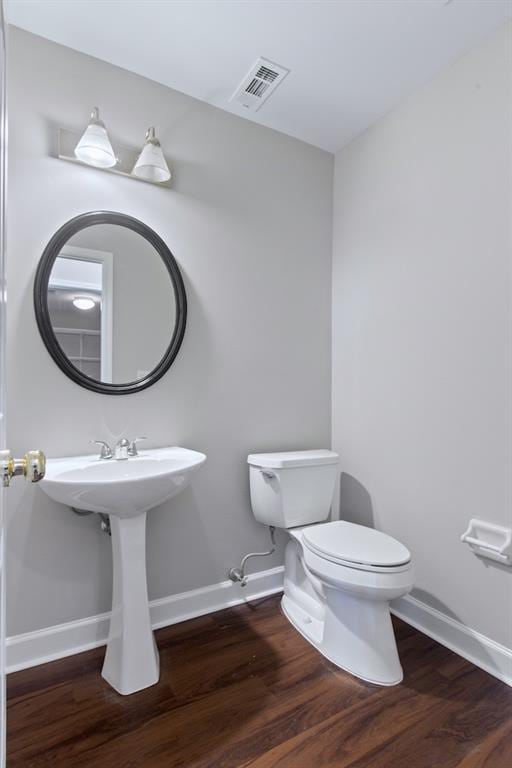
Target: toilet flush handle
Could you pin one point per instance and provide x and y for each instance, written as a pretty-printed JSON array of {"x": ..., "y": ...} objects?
[{"x": 268, "y": 474}]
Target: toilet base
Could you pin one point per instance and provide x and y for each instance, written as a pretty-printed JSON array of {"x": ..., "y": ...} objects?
[
  {"x": 389, "y": 671},
  {"x": 344, "y": 612}
]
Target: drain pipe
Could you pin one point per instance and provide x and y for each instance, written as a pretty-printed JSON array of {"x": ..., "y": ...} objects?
[
  {"x": 237, "y": 575},
  {"x": 105, "y": 519}
]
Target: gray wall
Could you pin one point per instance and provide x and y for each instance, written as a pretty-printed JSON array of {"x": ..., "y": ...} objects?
[
  {"x": 249, "y": 221},
  {"x": 422, "y": 380}
]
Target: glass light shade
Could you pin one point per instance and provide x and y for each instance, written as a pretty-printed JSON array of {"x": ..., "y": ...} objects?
[
  {"x": 151, "y": 164},
  {"x": 83, "y": 302},
  {"x": 94, "y": 148}
]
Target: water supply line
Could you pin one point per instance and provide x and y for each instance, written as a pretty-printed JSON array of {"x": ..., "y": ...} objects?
[{"x": 237, "y": 575}]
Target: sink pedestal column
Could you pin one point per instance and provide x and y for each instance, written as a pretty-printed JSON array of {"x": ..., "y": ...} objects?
[{"x": 131, "y": 661}]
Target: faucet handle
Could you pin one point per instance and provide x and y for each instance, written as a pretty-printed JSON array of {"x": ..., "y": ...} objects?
[
  {"x": 106, "y": 451},
  {"x": 132, "y": 450}
]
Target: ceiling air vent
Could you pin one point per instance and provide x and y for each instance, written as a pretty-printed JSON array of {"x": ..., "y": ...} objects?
[{"x": 258, "y": 84}]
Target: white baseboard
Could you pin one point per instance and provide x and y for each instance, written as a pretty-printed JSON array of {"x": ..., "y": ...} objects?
[
  {"x": 43, "y": 645},
  {"x": 471, "y": 645},
  {"x": 33, "y": 648}
]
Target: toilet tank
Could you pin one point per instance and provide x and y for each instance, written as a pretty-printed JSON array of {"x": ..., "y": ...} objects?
[{"x": 292, "y": 488}]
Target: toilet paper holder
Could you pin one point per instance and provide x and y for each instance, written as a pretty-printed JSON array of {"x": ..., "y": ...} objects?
[{"x": 489, "y": 540}]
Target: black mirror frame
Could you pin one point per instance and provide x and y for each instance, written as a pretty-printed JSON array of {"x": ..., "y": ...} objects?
[{"x": 50, "y": 253}]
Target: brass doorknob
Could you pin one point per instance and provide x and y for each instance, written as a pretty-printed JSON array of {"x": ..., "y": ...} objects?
[{"x": 32, "y": 466}]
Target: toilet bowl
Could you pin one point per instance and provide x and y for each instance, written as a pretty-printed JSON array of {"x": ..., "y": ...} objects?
[
  {"x": 339, "y": 577},
  {"x": 351, "y": 623}
]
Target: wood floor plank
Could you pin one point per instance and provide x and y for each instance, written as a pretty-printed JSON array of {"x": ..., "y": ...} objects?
[
  {"x": 242, "y": 688},
  {"x": 182, "y": 736},
  {"x": 431, "y": 742},
  {"x": 494, "y": 752},
  {"x": 361, "y": 729},
  {"x": 449, "y": 736}
]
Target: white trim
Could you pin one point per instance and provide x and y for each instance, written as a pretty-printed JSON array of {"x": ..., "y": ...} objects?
[
  {"x": 43, "y": 645},
  {"x": 3, "y": 369},
  {"x": 480, "y": 650},
  {"x": 69, "y": 285}
]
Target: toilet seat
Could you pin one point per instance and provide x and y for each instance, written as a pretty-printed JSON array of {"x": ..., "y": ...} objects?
[{"x": 356, "y": 546}]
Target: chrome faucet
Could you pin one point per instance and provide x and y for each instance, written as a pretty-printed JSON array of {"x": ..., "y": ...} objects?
[
  {"x": 106, "y": 451},
  {"x": 132, "y": 450},
  {"x": 123, "y": 450}
]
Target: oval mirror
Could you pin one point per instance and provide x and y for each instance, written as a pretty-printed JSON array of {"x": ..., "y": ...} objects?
[{"x": 110, "y": 302}]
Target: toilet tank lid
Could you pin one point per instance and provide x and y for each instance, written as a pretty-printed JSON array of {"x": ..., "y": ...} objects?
[{"x": 288, "y": 459}]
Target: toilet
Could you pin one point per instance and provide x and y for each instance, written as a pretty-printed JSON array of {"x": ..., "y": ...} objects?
[{"x": 339, "y": 577}]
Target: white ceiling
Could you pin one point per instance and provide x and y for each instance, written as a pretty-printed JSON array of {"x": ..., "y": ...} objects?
[{"x": 351, "y": 61}]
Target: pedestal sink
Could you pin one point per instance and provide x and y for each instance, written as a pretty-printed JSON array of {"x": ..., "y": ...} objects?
[{"x": 125, "y": 490}]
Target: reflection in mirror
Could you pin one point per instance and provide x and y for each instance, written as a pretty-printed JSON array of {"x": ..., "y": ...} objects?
[
  {"x": 78, "y": 297},
  {"x": 111, "y": 303}
]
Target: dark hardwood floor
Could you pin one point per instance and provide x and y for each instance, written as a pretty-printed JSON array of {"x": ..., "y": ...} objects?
[{"x": 242, "y": 688}]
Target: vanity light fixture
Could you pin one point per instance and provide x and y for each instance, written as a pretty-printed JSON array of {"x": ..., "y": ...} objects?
[
  {"x": 83, "y": 302},
  {"x": 151, "y": 164},
  {"x": 94, "y": 148}
]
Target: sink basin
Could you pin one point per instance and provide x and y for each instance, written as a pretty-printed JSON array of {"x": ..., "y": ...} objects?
[{"x": 125, "y": 490}]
